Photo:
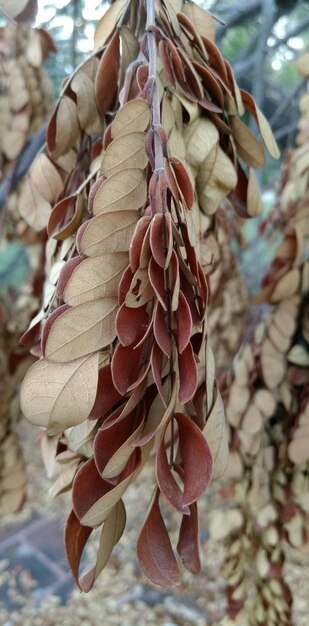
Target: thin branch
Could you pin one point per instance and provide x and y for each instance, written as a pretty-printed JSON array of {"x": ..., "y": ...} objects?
[
  {"x": 286, "y": 130},
  {"x": 268, "y": 18},
  {"x": 287, "y": 101}
]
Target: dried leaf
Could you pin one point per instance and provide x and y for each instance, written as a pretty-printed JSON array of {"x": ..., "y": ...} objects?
[
  {"x": 20, "y": 11},
  {"x": 107, "y": 233},
  {"x": 262, "y": 123},
  {"x": 154, "y": 549},
  {"x": 108, "y": 22},
  {"x": 188, "y": 542},
  {"x": 96, "y": 277},
  {"x": 106, "y": 81},
  {"x": 126, "y": 151},
  {"x": 134, "y": 116},
  {"x": 215, "y": 433},
  {"x": 80, "y": 330},
  {"x": 196, "y": 459},
  {"x": 248, "y": 146},
  {"x": 216, "y": 178},
  {"x": 123, "y": 191},
  {"x": 60, "y": 395}
]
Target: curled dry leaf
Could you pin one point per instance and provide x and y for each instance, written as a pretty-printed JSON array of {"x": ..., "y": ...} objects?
[{"x": 154, "y": 549}]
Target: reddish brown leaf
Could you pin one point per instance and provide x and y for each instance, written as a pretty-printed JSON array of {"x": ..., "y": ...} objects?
[
  {"x": 161, "y": 239},
  {"x": 156, "y": 277},
  {"x": 167, "y": 483},
  {"x": 196, "y": 459},
  {"x": 156, "y": 360},
  {"x": 160, "y": 330},
  {"x": 184, "y": 323},
  {"x": 187, "y": 374},
  {"x": 75, "y": 539},
  {"x": 131, "y": 323},
  {"x": 188, "y": 542},
  {"x": 129, "y": 367},
  {"x": 65, "y": 217},
  {"x": 106, "y": 83},
  {"x": 107, "y": 395},
  {"x": 88, "y": 487},
  {"x": 108, "y": 440},
  {"x": 67, "y": 271},
  {"x": 183, "y": 181},
  {"x": 137, "y": 241},
  {"x": 154, "y": 549}
]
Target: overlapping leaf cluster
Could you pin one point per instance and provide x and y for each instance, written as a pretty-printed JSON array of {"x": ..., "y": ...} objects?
[
  {"x": 267, "y": 408},
  {"x": 146, "y": 135}
]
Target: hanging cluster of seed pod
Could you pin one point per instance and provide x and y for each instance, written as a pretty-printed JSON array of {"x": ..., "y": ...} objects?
[
  {"x": 145, "y": 139},
  {"x": 267, "y": 409}
]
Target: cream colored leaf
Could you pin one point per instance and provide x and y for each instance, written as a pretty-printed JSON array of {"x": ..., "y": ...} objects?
[
  {"x": 33, "y": 52},
  {"x": 222, "y": 523},
  {"x": 32, "y": 206},
  {"x": 254, "y": 198},
  {"x": 108, "y": 232},
  {"x": 265, "y": 401},
  {"x": 108, "y": 22},
  {"x": 67, "y": 126},
  {"x": 140, "y": 290},
  {"x": 46, "y": 178},
  {"x": 111, "y": 532},
  {"x": 12, "y": 143},
  {"x": 200, "y": 137},
  {"x": 302, "y": 235},
  {"x": 87, "y": 111},
  {"x": 103, "y": 507},
  {"x": 267, "y": 134},
  {"x": 129, "y": 50},
  {"x": 125, "y": 152},
  {"x": 215, "y": 433},
  {"x": 65, "y": 478},
  {"x": 216, "y": 178},
  {"x": 79, "y": 436},
  {"x": 96, "y": 277},
  {"x": 201, "y": 19},
  {"x": 19, "y": 10},
  {"x": 248, "y": 146},
  {"x": 82, "y": 330},
  {"x": 132, "y": 116},
  {"x": 59, "y": 395},
  {"x": 298, "y": 450},
  {"x": 272, "y": 363},
  {"x": 286, "y": 286},
  {"x": 299, "y": 356},
  {"x": 252, "y": 421},
  {"x": 123, "y": 191}
]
